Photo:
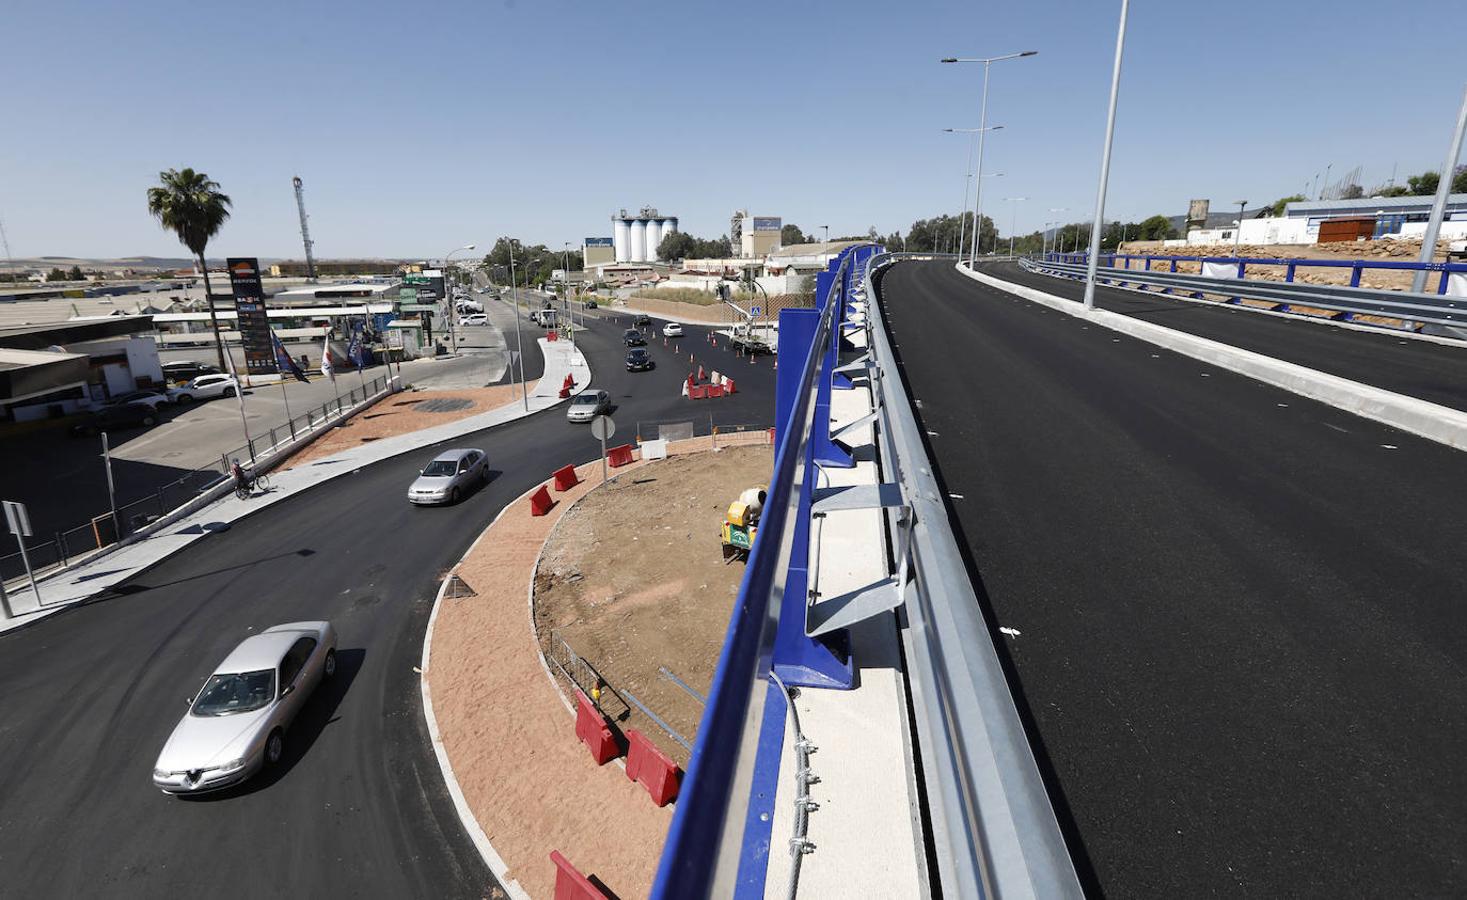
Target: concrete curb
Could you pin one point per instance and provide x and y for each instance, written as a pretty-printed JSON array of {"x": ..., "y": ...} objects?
[
  {"x": 471, "y": 826},
  {"x": 1418, "y": 417}
]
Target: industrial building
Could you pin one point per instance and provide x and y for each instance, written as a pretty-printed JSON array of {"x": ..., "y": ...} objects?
[
  {"x": 635, "y": 238},
  {"x": 753, "y": 237},
  {"x": 61, "y": 368},
  {"x": 597, "y": 251},
  {"x": 1393, "y": 215}
]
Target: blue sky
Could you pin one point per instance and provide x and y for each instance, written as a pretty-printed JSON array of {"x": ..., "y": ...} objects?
[{"x": 420, "y": 127}]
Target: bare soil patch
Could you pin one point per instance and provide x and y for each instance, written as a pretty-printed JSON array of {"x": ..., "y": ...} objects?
[
  {"x": 633, "y": 579},
  {"x": 404, "y": 413}
]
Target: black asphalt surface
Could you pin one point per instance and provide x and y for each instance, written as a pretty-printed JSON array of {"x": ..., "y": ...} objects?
[
  {"x": 1428, "y": 370},
  {"x": 359, "y": 808},
  {"x": 1242, "y": 636}
]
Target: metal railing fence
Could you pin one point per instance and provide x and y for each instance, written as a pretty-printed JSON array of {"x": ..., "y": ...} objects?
[
  {"x": 1148, "y": 262},
  {"x": 1345, "y": 302}
]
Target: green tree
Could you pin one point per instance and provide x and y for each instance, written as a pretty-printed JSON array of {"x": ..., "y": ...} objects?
[
  {"x": 1459, "y": 181},
  {"x": 57, "y": 274},
  {"x": 75, "y": 274},
  {"x": 1424, "y": 185},
  {"x": 190, "y": 205},
  {"x": 1280, "y": 203},
  {"x": 1395, "y": 190},
  {"x": 1155, "y": 228},
  {"x": 791, "y": 234},
  {"x": 678, "y": 245}
]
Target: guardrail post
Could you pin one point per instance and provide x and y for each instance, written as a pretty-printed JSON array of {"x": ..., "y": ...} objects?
[
  {"x": 1289, "y": 272},
  {"x": 61, "y": 548},
  {"x": 1441, "y": 287},
  {"x": 1355, "y": 271}
]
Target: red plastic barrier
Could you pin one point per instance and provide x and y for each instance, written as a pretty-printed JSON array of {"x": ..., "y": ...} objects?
[
  {"x": 697, "y": 392},
  {"x": 701, "y": 374},
  {"x": 565, "y": 478},
  {"x": 594, "y": 732},
  {"x": 617, "y": 457},
  {"x": 540, "y": 502},
  {"x": 728, "y": 386},
  {"x": 654, "y": 769},
  {"x": 571, "y": 884},
  {"x": 552, "y": 336},
  {"x": 714, "y": 390}
]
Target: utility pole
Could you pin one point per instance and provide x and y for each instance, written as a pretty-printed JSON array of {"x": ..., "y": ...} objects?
[
  {"x": 300, "y": 205},
  {"x": 1110, "y": 130},
  {"x": 1238, "y": 235},
  {"x": 1439, "y": 205}
]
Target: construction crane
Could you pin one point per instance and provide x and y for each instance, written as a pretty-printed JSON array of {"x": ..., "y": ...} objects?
[{"x": 300, "y": 205}]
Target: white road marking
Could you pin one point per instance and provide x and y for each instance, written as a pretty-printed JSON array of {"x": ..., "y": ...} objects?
[
  {"x": 1337, "y": 428},
  {"x": 1390, "y": 446},
  {"x": 1011, "y": 632},
  {"x": 1282, "y": 405},
  {"x": 956, "y": 496}
]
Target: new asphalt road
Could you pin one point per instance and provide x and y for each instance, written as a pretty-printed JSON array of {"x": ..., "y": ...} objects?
[
  {"x": 358, "y": 808},
  {"x": 1241, "y": 646},
  {"x": 1432, "y": 371}
]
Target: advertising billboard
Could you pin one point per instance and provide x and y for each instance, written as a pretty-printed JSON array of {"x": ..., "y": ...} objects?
[
  {"x": 598, "y": 242},
  {"x": 767, "y": 223},
  {"x": 254, "y": 321}
]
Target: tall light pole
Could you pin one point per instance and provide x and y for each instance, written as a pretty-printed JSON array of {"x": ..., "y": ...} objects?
[
  {"x": 519, "y": 343},
  {"x": 983, "y": 124},
  {"x": 1439, "y": 205},
  {"x": 1238, "y": 235},
  {"x": 1013, "y": 220},
  {"x": 967, "y": 177},
  {"x": 1110, "y": 130},
  {"x": 452, "y": 304},
  {"x": 1054, "y": 242}
]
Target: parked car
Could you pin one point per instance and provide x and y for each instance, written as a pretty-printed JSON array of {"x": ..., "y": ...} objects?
[
  {"x": 633, "y": 338},
  {"x": 236, "y": 725},
  {"x": 474, "y": 319},
  {"x": 639, "y": 360},
  {"x": 205, "y": 387},
  {"x": 154, "y": 399},
  {"x": 642, "y": 321},
  {"x": 116, "y": 418},
  {"x": 187, "y": 370},
  {"x": 672, "y": 329},
  {"x": 590, "y": 304},
  {"x": 587, "y": 405},
  {"x": 449, "y": 476}
]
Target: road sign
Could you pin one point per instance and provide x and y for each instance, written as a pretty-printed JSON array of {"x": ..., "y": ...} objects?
[
  {"x": 415, "y": 279},
  {"x": 754, "y": 310},
  {"x": 251, "y": 318},
  {"x": 18, "y": 518},
  {"x": 603, "y": 427},
  {"x": 418, "y": 307}
]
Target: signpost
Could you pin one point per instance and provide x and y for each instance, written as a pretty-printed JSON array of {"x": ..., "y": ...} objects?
[
  {"x": 254, "y": 321},
  {"x": 19, "y": 521},
  {"x": 603, "y": 427}
]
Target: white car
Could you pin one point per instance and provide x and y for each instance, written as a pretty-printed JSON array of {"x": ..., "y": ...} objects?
[
  {"x": 235, "y": 726},
  {"x": 474, "y": 319},
  {"x": 153, "y": 399},
  {"x": 205, "y": 387},
  {"x": 587, "y": 405},
  {"x": 672, "y": 329}
]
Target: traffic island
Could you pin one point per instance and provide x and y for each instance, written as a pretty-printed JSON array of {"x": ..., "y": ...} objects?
[{"x": 506, "y": 731}]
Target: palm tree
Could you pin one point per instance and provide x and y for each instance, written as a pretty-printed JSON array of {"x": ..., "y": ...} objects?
[{"x": 189, "y": 204}]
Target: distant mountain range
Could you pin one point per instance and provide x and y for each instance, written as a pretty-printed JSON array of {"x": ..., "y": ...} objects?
[{"x": 121, "y": 262}]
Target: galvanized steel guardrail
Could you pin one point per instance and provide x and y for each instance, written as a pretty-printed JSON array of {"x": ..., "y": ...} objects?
[
  {"x": 993, "y": 829},
  {"x": 1345, "y": 302}
]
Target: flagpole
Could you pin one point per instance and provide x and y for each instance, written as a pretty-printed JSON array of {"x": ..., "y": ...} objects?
[{"x": 239, "y": 395}]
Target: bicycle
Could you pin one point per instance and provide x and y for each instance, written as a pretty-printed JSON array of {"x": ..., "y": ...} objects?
[{"x": 251, "y": 481}]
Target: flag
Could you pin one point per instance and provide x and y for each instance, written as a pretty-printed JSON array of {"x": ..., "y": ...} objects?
[
  {"x": 356, "y": 349},
  {"x": 283, "y": 360},
  {"x": 327, "y": 368}
]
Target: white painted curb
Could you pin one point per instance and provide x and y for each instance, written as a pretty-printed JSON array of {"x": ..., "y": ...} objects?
[{"x": 1428, "y": 420}]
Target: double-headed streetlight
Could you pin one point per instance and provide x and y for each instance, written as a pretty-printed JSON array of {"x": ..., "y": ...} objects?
[
  {"x": 1013, "y": 220},
  {"x": 1110, "y": 130},
  {"x": 452, "y": 303},
  {"x": 967, "y": 176},
  {"x": 982, "y": 126}
]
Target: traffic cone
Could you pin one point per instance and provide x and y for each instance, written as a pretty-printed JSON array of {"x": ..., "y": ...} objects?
[{"x": 701, "y": 376}]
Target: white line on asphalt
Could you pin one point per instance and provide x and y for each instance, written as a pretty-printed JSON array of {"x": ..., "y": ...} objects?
[
  {"x": 955, "y": 496},
  {"x": 1390, "y": 446},
  {"x": 1337, "y": 428}
]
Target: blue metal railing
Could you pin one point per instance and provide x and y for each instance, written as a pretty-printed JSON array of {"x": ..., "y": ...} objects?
[{"x": 1150, "y": 263}]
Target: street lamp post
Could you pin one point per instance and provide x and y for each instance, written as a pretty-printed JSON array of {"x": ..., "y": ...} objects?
[
  {"x": 452, "y": 304},
  {"x": 967, "y": 177},
  {"x": 1013, "y": 220},
  {"x": 1110, "y": 130},
  {"x": 983, "y": 124},
  {"x": 519, "y": 343},
  {"x": 1054, "y": 242},
  {"x": 1439, "y": 203},
  {"x": 1238, "y": 233}
]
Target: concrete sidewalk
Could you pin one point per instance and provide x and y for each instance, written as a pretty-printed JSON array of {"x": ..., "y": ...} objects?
[{"x": 67, "y": 587}]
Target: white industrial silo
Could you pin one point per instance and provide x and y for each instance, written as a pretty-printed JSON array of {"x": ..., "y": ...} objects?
[
  {"x": 638, "y": 252},
  {"x": 621, "y": 238},
  {"x": 654, "y": 238},
  {"x": 669, "y": 226}
]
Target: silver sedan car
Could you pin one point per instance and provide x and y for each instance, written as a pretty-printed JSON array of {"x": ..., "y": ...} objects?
[
  {"x": 449, "y": 476},
  {"x": 587, "y": 405},
  {"x": 236, "y": 725}
]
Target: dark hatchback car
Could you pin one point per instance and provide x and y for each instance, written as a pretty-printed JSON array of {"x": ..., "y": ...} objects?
[
  {"x": 187, "y": 371},
  {"x": 642, "y": 322},
  {"x": 116, "y": 418},
  {"x": 633, "y": 338},
  {"x": 639, "y": 360}
]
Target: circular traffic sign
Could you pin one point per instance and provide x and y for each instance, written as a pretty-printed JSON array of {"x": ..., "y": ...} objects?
[{"x": 603, "y": 427}]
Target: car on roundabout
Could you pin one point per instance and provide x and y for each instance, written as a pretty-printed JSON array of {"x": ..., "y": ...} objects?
[
  {"x": 449, "y": 476},
  {"x": 237, "y": 723},
  {"x": 154, "y": 399},
  {"x": 633, "y": 338},
  {"x": 642, "y": 321},
  {"x": 672, "y": 329},
  {"x": 205, "y": 387},
  {"x": 587, "y": 405}
]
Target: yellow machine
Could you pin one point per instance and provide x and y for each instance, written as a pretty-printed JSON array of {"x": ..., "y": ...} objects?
[{"x": 741, "y": 522}]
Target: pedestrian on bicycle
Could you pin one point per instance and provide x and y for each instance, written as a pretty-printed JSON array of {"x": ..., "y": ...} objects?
[{"x": 241, "y": 480}]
